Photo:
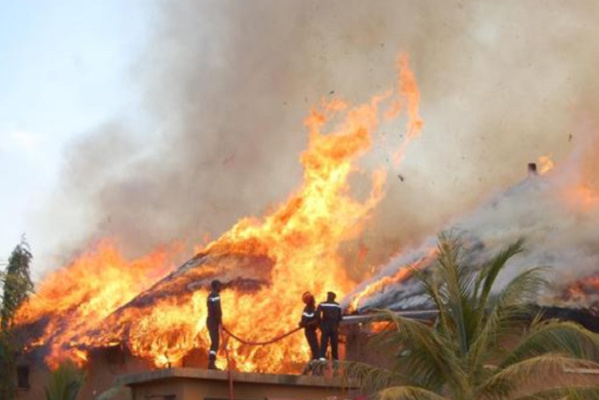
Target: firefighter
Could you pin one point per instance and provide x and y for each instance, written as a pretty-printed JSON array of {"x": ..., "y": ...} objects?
[
  {"x": 214, "y": 320},
  {"x": 309, "y": 322},
  {"x": 329, "y": 314}
]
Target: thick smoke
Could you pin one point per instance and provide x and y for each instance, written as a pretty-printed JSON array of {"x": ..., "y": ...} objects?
[
  {"x": 225, "y": 86},
  {"x": 556, "y": 213}
]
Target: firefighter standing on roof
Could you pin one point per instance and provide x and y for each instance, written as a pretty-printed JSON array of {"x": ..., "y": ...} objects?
[
  {"x": 214, "y": 321},
  {"x": 309, "y": 322},
  {"x": 329, "y": 314}
]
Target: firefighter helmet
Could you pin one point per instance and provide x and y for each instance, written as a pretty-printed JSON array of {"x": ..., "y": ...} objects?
[{"x": 307, "y": 298}]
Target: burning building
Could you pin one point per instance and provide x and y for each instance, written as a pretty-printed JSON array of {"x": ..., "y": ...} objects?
[
  {"x": 115, "y": 315},
  {"x": 104, "y": 309}
]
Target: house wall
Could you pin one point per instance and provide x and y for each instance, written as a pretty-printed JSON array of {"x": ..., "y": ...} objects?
[
  {"x": 358, "y": 347},
  {"x": 38, "y": 375},
  {"x": 193, "y": 390},
  {"x": 104, "y": 366},
  {"x": 193, "y": 384}
]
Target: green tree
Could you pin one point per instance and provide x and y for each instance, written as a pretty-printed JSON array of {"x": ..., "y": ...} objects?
[
  {"x": 483, "y": 345},
  {"x": 64, "y": 382},
  {"x": 7, "y": 368},
  {"x": 16, "y": 285}
]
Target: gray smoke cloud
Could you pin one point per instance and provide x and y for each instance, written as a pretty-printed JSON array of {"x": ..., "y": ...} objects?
[
  {"x": 556, "y": 213},
  {"x": 225, "y": 86}
]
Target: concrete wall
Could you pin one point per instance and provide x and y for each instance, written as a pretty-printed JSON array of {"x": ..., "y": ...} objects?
[
  {"x": 195, "y": 384},
  {"x": 104, "y": 367}
]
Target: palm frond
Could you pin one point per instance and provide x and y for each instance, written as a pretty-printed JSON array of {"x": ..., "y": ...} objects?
[
  {"x": 475, "y": 321},
  {"x": 371, "y": 379},
  {"x": 431, "y": 286},
  {"x": 457, "y": 283},
  {"x": 506, "y": 315},
  {"x": 572, "y": 392},
  {"x": 114, "y": 392},
  {"x": 64, "y": 382},
  {"x": 512, "y": 303},
  {"x": 427, "y": 360},
  {"x": 490, "y": 272},
  {"x": 529, "y": 370},
  {"x": 522, "y": 290},
  {"x": 566, "y": 338},
  {"x": 409, "y": 393}
]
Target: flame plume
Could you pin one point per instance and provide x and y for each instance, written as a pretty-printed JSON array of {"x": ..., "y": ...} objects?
[
  {"x": 80, "y": 296},
  {"x": 292, "y": 249}
]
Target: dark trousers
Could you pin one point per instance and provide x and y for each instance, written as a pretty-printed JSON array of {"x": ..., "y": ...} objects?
[
  {"x": 214, "y": 338},
  {"x": 331, "y": 335},
  {"x": 312, "y": 339}
]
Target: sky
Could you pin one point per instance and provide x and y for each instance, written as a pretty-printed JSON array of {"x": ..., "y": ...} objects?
[{"x": 65, "y": 68}]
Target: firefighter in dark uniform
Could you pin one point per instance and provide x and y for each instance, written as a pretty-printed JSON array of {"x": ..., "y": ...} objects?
[
  {"x": 329, "y": 315},
  {"x": 309, "y": 322},
  {"x": 214, "y": 321}
]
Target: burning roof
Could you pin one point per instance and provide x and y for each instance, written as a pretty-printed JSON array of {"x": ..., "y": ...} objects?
[
  {"x": 556, "y": 211},
  {"x": 268, "y": 262},
  {"x": 159, "y": 312}
]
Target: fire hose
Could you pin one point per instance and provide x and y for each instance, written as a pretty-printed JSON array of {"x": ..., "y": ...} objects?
[
  {"x": 249, "y": 343},
  {"x": 273, "y": 340}
]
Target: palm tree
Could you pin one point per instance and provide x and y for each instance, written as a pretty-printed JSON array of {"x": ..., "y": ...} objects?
[
  {"x": 65, "y": 382},
  {"x": 483, "y": 345}
]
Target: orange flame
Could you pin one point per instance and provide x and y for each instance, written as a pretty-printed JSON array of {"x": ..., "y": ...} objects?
[
  {"x": 79, "y": 297},
  {"x": 585, "y": 195},
  {"x": 411, "y": 94},
  {"x": 582, "y": 290},
  {"x": 302, "y": 237},
  {"x": 400, "y": 276},
  {"x": 380, "y": 326}
]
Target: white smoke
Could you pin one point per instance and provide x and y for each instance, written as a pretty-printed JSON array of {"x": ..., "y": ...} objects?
[{"x": 555, "y": 213}]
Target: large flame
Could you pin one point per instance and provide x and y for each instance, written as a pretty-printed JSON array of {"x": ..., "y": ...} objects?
[
  {"x": 78, "y": 297},
  {"x": 301, "y": 237},
  {"x": 410, "y": 95}
]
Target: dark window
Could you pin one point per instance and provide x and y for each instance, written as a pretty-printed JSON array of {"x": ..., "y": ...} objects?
[
  {"x": 115, "y": 355},
  {"x": 23, "y": 377}
]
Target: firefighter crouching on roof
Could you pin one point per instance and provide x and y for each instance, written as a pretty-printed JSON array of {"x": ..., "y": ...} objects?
[
  {"x": 329, "y": 315},
  {"x": 309, "y": 322},
  {"x": 214, "y": 321}
]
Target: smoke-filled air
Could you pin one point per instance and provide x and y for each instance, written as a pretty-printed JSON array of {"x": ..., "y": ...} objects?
[{"x": 286, "y": 146}]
